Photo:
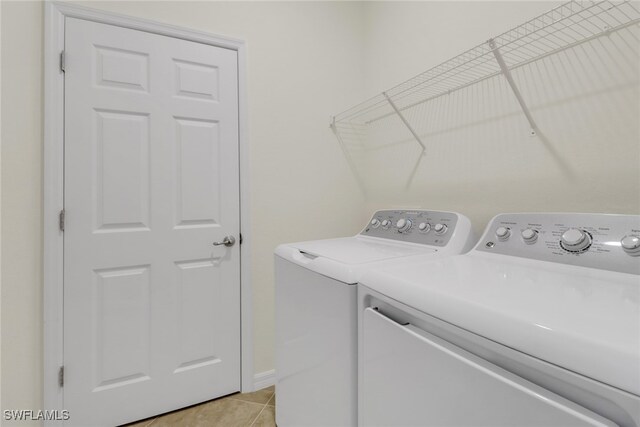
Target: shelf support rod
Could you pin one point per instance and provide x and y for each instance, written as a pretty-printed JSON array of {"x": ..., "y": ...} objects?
[
  {"x": 406, "y": 123},
  {"x": 352, "y": 166},
  {"x": 507, "y": 74}
]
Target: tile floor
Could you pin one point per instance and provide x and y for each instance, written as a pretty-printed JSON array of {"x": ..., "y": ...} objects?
[{"x": 255, "y": 409}]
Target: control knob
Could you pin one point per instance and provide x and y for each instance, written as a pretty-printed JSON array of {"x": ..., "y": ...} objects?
[
  {"x": 503, "y": 233},
  {"x": 375, "y": 223},
  {"x": 575, "y": 240},
  {"x": 440, "y": 228},
  {"x": 631, "y": 244},
  {"x": 403, "y": 225},
  {"x": 386, "y": 223},
  {"x": 424, "y": 227},
  {"x": 529, "y": 235}
]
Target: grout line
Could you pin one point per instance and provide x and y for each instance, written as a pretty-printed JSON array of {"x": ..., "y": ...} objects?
[
  {"x": 258, "y": 416},
  {"x": 270, "y": 399},
  {"x": 264, "y": 406},
  {"x": 240, "y": 400}
]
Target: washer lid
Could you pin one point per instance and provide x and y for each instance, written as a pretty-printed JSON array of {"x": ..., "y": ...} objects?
[
  {"x": 582, "y": 319},
  {"x": 347, "y": 259},
  {"x": 360, "y": 250}
]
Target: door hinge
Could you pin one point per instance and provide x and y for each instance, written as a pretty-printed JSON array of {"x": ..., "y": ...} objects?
[
  {"x": 61, "y": 220},
  {"x": 240, "y": 239},
  {"x": 61, "y": 376},
  {"x": 62, "y": 62}
]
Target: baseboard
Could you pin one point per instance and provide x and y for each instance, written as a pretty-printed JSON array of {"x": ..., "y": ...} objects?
[{"x": 264, "y": 379}]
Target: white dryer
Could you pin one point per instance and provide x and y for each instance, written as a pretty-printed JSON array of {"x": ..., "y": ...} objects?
[
  {"x": 539, "y": 325},
  {"x": 316, "y": 308}
]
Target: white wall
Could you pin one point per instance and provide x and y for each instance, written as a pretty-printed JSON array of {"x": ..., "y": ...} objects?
[
  {"x": 0, "y": 218},
  {"x": 21, "y": 205},
  {"x": 303, "y": 61},
  {"x": 480, "y": 159}
]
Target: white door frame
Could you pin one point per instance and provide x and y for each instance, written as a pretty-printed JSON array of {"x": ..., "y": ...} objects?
[{"x": 53, "y": 184}]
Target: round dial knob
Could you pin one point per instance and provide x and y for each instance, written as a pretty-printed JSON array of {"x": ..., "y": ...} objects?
[
  {"x": 631, "y": 244},
  {"x": 386, "y": 223},
  {"x": 375, "y": 222},
  {"x": 575, "y": 240},
  {"x": 529, "y": 235},
  {"x": 503, "y": 233},
  {"x": 424, "y": 227},
  {"x": 440, "y": 228},
  {"x": 403, "y": 224}
]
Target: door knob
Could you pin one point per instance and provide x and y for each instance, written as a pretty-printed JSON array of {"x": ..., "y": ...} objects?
[{"x": 227, "y": 241}]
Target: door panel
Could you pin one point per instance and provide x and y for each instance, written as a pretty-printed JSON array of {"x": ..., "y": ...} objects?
[
  {"x": 197, "y": 80},
  {"x": 151, "y": 307},
  {"x": 195, "y": 309},
  {"x": 197, "y": 165},
  {"x": 121, "y": 68},
  {"x": 121, "y": 307},
  {"x": 122, "y": 170},
  {"x": 411, "y": 378}
]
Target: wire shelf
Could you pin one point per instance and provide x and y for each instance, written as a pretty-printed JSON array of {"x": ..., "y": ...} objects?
[{"x": 561, "y": 28}]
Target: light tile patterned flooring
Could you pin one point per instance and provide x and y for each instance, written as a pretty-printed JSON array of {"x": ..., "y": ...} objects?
[{"x": 255, "y": 409}]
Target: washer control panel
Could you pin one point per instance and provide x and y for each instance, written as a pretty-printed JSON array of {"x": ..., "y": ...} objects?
[
  {"x": 603, "y": 241},
  {"x": 424, "y": 227}
]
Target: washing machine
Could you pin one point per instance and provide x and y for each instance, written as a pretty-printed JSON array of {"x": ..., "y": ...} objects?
[
  {"x": 538, "y": 325},
  {"x": 316, "y": 317}
]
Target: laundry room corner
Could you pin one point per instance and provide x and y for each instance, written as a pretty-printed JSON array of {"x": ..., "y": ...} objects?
[
  {"x": 480, "y": 157},
  {"x": 179, "y": 130}
]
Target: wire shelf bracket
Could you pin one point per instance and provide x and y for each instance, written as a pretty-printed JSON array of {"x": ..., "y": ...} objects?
[
  {"x": 404, "y": 120},
  {"x": 352, "y": 166},
  {"x": 507, "y": 74}
]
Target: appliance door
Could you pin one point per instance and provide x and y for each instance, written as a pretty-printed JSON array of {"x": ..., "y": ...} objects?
[{"x": 413, "y": 378}]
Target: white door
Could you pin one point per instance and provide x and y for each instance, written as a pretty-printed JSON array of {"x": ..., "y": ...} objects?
[{"x": 151, "y": 307}]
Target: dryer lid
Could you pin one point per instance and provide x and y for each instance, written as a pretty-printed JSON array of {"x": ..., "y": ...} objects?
[
  {"x": 360, "y": 250},
  {"x": 347, "y": 259}
]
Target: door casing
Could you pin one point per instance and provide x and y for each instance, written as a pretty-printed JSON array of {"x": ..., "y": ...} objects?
[{"x": 53, "y": 185}]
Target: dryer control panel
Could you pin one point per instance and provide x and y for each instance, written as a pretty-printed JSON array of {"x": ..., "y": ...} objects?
[
  {"x": 603, "y": 241},
  {"x": 417, "y": 226}
]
